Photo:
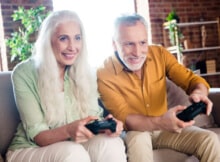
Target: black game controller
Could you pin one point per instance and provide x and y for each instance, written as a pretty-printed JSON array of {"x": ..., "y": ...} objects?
[
  {"x": 192, "y": 111},
  {"x": 97, "y": 125}
]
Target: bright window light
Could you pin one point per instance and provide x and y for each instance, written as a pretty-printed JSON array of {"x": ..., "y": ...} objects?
[{"x": 98, "y": 17}]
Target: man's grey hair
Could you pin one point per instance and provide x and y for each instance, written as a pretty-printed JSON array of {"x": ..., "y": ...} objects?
[{"x": 128, "y": 20}]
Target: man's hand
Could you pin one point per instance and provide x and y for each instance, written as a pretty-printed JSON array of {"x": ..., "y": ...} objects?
[
  {"x": 196, "y": 97},
  {"x": 167, "y": 121},
  {"x": 200, "y": 93},
  {"x": 170, "y": 122}
]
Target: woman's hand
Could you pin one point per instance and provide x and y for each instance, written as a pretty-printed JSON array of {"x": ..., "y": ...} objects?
[
  {"x": 77, "y": 130},
  {"x": 119, "y": 127},
  {"x": 79, "y": 133}
]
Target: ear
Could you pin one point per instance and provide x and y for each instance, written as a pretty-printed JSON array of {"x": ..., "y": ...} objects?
[{"x": 114, "y": 45}]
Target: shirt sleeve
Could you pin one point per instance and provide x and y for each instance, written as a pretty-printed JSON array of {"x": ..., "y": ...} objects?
[
  {"x": 183, "y": 77},
  {"x": 28, "y": 101}
]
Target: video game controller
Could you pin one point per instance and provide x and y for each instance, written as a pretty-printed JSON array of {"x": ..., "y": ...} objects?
[
  {"x": 192, "y": 111},
  {"x": 97, "y": 125}
]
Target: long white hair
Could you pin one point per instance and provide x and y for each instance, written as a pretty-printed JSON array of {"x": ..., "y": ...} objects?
[{"x": 82, "y": 81}]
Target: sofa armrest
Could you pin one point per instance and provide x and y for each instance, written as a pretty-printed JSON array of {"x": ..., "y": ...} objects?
[
  {"x": 214, "y": 96},
  {"x": 1, "y": 159},
  {"x": 9, "y": 116}
]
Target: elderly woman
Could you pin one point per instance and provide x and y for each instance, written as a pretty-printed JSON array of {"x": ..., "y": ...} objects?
[{"x": 56, "y": 95}]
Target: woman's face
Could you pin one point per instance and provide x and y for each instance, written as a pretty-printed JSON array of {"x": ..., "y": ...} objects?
[{"x": 67, "y": 43}]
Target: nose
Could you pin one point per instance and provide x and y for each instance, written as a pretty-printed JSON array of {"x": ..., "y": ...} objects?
[
  {"x": 137, "y": 50},
  {"x": 71, "y": 45}
]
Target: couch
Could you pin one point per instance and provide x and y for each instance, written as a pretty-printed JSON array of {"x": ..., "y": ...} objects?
[{"x": 9, "y": 118}]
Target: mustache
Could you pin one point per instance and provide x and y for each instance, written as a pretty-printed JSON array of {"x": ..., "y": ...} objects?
[{"x": 137, "y": 57}]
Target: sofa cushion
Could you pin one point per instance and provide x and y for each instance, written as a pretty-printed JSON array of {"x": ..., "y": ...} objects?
[
  {"x": 168, "y": 155},
  {"x": 216, "y": 130},
  {"x": 214, "y": 95},
  {"x": 9, "y": 114},
  {"x": 177, "y": 96}
]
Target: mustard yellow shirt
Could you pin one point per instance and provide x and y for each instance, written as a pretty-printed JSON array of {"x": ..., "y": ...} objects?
[{"x": 123, "y": 93}]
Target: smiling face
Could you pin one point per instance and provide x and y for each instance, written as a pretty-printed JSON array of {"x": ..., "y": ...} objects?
[
  {"x": 131, "y": 44},
  {"x": 67, "y": 43}
]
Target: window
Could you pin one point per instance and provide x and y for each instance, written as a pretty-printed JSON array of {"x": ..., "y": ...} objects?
[{"x": 98, "y": 18}]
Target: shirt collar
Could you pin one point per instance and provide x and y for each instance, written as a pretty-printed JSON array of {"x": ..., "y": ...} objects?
[
  {"x": 125, "y": 68},
  {"x": 117, "y": 65},
  {"x": 66, "y": 73}
]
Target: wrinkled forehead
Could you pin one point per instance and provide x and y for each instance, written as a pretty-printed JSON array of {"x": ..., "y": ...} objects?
[
  {"x": 131, "y": 32},
  {"x": 126, "y": 22}
]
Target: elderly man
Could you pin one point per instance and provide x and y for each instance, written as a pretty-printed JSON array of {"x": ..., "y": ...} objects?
[{"x": 132, "y": 84}]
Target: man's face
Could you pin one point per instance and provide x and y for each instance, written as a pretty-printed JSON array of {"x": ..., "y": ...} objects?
[{"x": 131, "y": 44}]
